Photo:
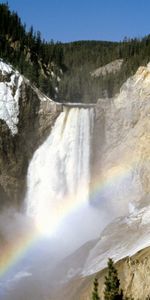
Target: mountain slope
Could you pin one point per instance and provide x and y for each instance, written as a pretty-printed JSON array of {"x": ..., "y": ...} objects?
[
  {"x": 37, "y": 60},
  {"x": 63, "y": 71},
  {"x": 26, "y": 117}
]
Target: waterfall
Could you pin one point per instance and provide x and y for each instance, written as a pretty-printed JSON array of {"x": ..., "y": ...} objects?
[{"x": 59, "y": 172}]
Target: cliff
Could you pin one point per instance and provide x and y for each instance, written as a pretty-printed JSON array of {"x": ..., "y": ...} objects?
[
  {"x": 120, "y": 183},
  {"x": 123, "y": 172},
  {"x": 133, "y": 273},
  {"x": 26, "y": 118},
  {"x": 120, "y": 188},
  {"x": 122, "y": 142}
]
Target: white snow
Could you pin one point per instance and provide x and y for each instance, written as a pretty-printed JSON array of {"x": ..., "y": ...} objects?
[
  {"x": 9, "y": 97},
  {"x": 5, "y": 69}
]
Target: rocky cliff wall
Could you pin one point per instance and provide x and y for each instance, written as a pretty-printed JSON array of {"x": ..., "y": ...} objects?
[
  {"x": 26, "y": 118},
  {"x": 120, "y": 166},
  {"x": 121, "y": 170},
  {"x": 122, "y": 143},
  {"x": 120, "y": 187},
  {"x": 133, "y": 273}
]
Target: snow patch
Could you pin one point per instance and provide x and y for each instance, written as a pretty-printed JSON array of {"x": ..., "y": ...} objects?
[
  {"x": 9, "y": 97},
  {"x": 5, "y": 69}
]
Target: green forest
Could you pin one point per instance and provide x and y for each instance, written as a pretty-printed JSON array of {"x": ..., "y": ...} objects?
[{"x": 63, "y": 70}]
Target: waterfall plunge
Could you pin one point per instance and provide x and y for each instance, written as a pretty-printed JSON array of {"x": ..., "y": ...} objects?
[{"x": 59, "y": 174}]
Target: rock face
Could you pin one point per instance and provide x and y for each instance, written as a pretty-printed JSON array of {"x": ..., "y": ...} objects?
[
  {"x": 122, "y": 240},
  {"x": 26, "y": 118},
  {"x": 120, "y": 188},
  {"x": 122, "y": 178},
  {"x": 122, "y": 144},
  {"x": 133, "y": 273},
  {"x": 112, "y": 67}
]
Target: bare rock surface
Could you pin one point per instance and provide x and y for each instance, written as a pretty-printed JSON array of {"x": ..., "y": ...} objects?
[
  {"x": 120, "y": 187},
  {"x": 112, "y": 67}
]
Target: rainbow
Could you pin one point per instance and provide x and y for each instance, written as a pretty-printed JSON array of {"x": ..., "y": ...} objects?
[{"x": 12, "y": 253}]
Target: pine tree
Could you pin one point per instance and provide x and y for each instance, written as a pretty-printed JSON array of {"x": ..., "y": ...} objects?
[
  {"x": 95, "y": 295},
  {"x": 112, "y": 284}
]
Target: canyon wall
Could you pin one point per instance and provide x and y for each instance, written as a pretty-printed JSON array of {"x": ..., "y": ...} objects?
[{"x": 26, "y": 118}]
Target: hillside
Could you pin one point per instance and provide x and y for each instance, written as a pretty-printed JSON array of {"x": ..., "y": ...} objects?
[
  {"x": 63, "y": 71},
  {"x": 39, "y": 61},
  {"x": 83, "y": 58}
]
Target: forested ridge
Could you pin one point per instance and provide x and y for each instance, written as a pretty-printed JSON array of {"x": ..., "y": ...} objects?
[
  {"x": 63, "y": 70},
  {"x": 39, "y": 61}
]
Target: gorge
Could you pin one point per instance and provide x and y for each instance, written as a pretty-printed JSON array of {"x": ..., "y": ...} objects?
[{"x": 88, "y": 175}]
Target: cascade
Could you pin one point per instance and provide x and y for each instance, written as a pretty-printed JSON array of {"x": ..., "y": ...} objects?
[{"x": 59, "y": 172}]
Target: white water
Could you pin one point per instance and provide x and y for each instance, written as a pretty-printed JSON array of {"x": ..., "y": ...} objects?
[{"x": 59, "y": 173}]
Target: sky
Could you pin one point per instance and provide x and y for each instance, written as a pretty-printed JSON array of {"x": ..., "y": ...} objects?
[{"x": 70, "y": 20}]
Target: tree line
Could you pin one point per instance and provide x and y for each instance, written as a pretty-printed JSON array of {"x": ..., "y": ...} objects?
[
  {"x": 35, "y": 58},
  {"x": 63, "y": 70}
]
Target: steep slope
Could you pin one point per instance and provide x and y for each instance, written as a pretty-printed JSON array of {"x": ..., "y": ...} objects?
[
  {"x": 120, "y": 189},
  {"x": 63, "y": 71},
  {"x": 112, "y": 67},
  {"x": 121, "y": 240},
  {"x": 122, "y": 145},
  {"x": 132, "y": 236},
  {"x": 39, "y": 61},
  {"x": 133, "y": 273},
  {"x": 120, "y": 170},
  {"x": 122, "y": 155},
  {"x": 83, "y": 58},
  {"x": 26, "y": 117}
]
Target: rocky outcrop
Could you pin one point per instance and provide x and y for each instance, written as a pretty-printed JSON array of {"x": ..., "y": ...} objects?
[
  {"x": 133, "y": 273},
  {"x": 122, "y": 240},
  {"x": 25, "y": 122},
  {"x": 121, "y": 166},
  {"x": 112, "y": 67}
]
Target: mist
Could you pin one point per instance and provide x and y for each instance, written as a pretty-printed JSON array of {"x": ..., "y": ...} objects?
[
  {"x": 36, "y": 273},
  {"x": 59, "y": 216},
  {"x": 31, "y": 276}
]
